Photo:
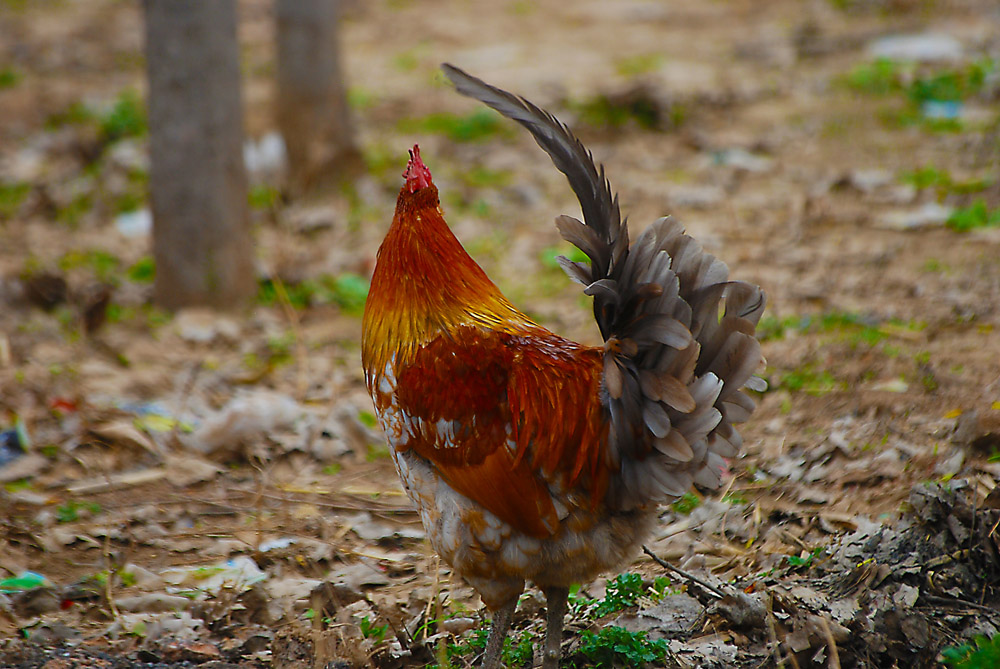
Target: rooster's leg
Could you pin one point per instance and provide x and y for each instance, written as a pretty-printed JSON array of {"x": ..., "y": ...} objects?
[
  {"x": 498, "y": 632},
  {"x": 555, "y": 602}
]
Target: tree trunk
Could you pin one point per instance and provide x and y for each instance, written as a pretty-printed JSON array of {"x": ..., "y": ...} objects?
[
  {"x": 312, "y": 107},
  {"x": 198, "y": 185}
]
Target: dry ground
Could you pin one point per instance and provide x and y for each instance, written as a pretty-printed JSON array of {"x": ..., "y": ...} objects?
[{"x": 205, "y": 488}]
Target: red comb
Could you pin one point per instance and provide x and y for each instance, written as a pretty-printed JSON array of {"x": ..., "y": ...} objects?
[{"x": 416, "y": 174}]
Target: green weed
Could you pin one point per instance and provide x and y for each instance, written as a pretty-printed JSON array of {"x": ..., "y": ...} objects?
[
  {"x": 810, "y": 381},
  {"x": 360, "y": 98},
  {"x": 9, "y": 77},
  {"x": 617, "y": 647},
  {"x": 686, "y": 504},
  {"x": 879, "y": 77},
  {"x": 622, "y": 592},
  {"x": 942, "y": 182},
  {"x": 12, "y": 196},
  {"x": 264, "y": 197},
  {"x": 884, "y": 78},
  {"x": 517, "y": 648},
  {"x": 372, "y": 631},
  {"x": 852, "y": 327},
  {"x": 635, "y": 66},
  {"x": 376, "y": 452},
  {"x": 951, "y": 85},
  {"x": 71, "y": 213},
  {"x": 70, "y": 511},
  {"x": 104, "y": 265},
  {"x": 142, "y": 271},
  {"x": 383, "y": 162},
  {"x": 805, "y": 561},
  {"x": 349, "y": 291},
  {"x": 609, "y": 113},
  {"x": 76, "y": 113},
  {"x": 976, "y": 215},
  {"x": 479, "y": 126},
  {"x": 979, "y": 653},
  {"x": 483, "y": 177},
  {"x": 126, "y": 118}
]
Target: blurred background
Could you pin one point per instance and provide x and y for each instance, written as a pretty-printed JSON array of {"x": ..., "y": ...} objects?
[{"x": 192, "y": 195}]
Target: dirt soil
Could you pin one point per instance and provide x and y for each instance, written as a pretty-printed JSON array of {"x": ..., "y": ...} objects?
[{"x": 210, "y": 489}]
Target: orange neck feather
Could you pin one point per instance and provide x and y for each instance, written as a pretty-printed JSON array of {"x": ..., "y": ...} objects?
[{"x": 425, "y": 284}]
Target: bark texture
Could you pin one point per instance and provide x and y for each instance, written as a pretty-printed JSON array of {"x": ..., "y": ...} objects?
[
  {"x": 198, "y": 184},
  {"x": 312, "y": 110}
]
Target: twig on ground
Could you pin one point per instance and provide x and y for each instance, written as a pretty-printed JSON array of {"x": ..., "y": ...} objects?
[
  {"x": 831, "y": 643},
  {"x": 691, "y": 577},
  {"x": 772, "y": 634}
]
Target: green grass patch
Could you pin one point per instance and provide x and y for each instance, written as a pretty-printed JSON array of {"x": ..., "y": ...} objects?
[
  {"x": 483, "y": 177},
  {"x": 930, "y": 177},
  {"x": 70, "y": 511},
  {"x": 9, "y": 77},
  {"x": 918, "y": 88},
  {"x": 383, "y": 162},
  {"x": 879, "y": 77},
  {"x": 71, "y": 213},
  {"x": 76, "y": 113},
  {"x": 367, "y": 418},
  {"x": 377, "y": 452},
  {"x": 12, "y": 196},
  {"x": 348, "y": 291},
  {"x": 360, "y": 98},
  {"x": 264, "y": 197},
  {"x": 883, "y": 77},
  {"x": 807, "y": 379},
  {"x": 856, "y": 328},
  {"x": 951, "y": 85},
  {"x": 611, "y": 113},
  {"x": 142, "y": 271},
  {"x": 975, "y": 215},
  {"x": 636, "y": 66},
  {"x": 126, "y": 118},
  {"x": 479, "y": 126},
  {"x": 104, "y": 265}
]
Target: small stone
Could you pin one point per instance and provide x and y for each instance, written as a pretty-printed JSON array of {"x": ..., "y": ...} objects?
[
  {"x": 923, "y": 47},
  {"x": 929, "y": 215}
]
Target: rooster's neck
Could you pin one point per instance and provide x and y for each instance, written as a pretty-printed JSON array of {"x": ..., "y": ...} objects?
[{"x": 425, "y": 285}]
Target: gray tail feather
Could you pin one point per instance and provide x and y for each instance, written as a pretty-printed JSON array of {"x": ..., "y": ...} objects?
[{"x": 673, "y": 369}]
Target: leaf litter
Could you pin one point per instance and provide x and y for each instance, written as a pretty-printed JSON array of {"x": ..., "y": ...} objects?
[{"x": 211, "y": 490}]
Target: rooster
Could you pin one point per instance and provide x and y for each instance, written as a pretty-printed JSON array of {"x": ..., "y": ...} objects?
[{"x": 531, "y": 457}]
